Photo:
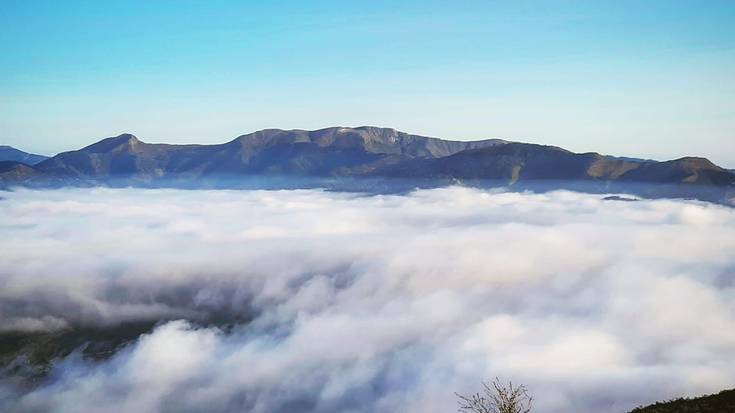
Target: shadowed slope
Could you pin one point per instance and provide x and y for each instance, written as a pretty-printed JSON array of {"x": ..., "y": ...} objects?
[
  {"x": 8, "y": 153},
  {"x": 522, "y": 161}
]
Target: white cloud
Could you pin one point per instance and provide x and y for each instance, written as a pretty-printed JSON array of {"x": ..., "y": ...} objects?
[{"x": 373, "y": 304}]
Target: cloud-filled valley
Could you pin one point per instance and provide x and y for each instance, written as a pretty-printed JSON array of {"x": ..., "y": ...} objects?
[{"x": 340, "y": 302}]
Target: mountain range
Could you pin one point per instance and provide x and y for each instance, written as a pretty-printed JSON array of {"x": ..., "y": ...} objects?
[
  {"x": 362, "y": 152},
  {"x": 8, "y": 153}
]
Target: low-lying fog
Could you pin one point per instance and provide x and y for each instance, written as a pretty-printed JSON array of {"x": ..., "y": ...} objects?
[{"x": 349, "y": 303}]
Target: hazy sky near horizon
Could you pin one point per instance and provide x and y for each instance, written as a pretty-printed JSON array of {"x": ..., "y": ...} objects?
[{"x": 639, "y": 78}]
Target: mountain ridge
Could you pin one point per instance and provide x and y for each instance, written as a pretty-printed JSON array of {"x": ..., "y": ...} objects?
[
  {"x": 269, "y": 151},
  {"x": 361, "y": 152},
  {"x": 9, "y": 153}
]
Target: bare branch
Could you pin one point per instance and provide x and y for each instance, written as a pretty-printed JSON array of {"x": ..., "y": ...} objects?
[{"x": 497, "y": 398}]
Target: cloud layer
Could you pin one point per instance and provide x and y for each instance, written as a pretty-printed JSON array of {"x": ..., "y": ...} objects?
[{"x": 348, "y": 303}]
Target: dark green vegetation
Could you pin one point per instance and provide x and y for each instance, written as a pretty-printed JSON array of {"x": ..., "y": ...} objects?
[
  {"x": 27, "y": 358},
  {"x": 723, "y": 402}
]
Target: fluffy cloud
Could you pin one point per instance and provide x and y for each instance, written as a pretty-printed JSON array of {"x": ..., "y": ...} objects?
[{"x": 350, "y": 303}]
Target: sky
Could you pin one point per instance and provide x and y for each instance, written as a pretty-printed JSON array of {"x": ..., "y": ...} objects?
[{"x": 652, "y": 79}]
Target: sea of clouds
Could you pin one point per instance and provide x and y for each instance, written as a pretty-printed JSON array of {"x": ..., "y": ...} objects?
[{"x": 351, "y": 303}]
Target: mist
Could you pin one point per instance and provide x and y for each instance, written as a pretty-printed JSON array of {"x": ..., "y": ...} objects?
[{"x": 340, "y": 302}]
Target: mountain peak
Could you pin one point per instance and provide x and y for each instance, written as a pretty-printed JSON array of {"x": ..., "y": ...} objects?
[
  {"x": 695, "y": 161},
  {"x": 123, "y": 141},
  {"x": 126, "y": 138}
]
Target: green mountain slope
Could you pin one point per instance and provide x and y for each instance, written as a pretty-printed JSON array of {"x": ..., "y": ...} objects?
[{"x": 723, "y": 402}]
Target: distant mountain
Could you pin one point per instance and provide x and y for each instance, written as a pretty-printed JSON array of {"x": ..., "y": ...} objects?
[
  {"x": 716, "y": 403},
  {"x": 364, "y": 152},
  {"x": 8, "y": 153},
  {"x": 323, "y": 152},
  {"x": 17, "y": 173},
  {"x": 522, "y": 161}
]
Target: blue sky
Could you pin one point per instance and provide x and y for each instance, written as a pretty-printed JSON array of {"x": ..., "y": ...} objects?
[{"x": 641, "y": 78}]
